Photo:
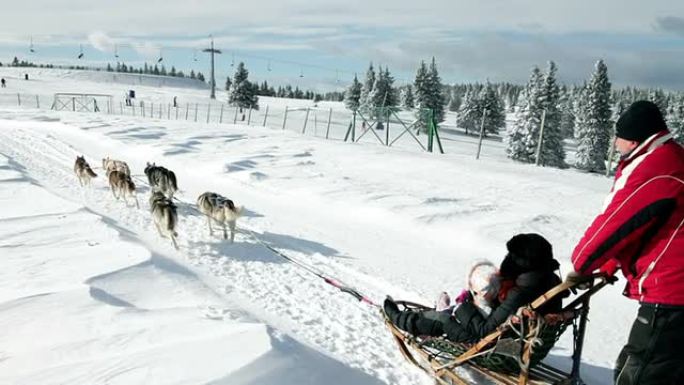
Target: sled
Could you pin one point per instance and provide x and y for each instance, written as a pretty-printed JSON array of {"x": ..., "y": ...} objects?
[{"x": 512, "y": 354}]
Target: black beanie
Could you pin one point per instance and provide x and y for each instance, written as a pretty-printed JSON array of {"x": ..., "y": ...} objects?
[
  {"x": 527, "y": 252},
  {"x": 641, "y": 120}
]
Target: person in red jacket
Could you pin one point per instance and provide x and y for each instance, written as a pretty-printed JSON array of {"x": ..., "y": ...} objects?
[{"x": 640, "y": 231}]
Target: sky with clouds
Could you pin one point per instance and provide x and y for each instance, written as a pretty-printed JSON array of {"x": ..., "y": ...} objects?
[{"x": 321, "y": 44}]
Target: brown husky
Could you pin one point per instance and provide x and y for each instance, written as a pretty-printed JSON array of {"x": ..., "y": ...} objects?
[
  {"x": 122, "y": 185},
  {"x": 110, "y": 165},
  {"x": 164, "y": 216},
  {"x": 220, "y": 209},
  {"x": 83, "y": 171}
]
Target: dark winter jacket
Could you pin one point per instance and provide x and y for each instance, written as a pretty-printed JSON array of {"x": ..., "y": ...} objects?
[{"x": 640, "y": 227}]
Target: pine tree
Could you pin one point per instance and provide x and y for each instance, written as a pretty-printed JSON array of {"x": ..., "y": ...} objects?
[
  {"x": 146, "y": 69},
  {"x": 658, "y": 97},
  {"x": 243, "y": 94},
  {"x": 407, "y": 100},
  {"x": 366, "y": 89},
  {"x": 470, "y": 113},
  {"x": 567, "y": 122},
  {"x": 200, "y": 77},
  {"x": 429, "y": 96},
  {"x": 454, "y": 101},
  {"x": 495, "y": 117},
  {"x": 173, "y": 71},
  {"x": 382, "y": 96},
  {"x": 675, "y": 119},
  {"x": 438, "y": 101},
  {"x": 552, "y": 152},
  {"x": 192, "y": 74},
  {"x": 228, "y": 83},
  {"x": 521, "y": 138},
  {"x": 593, "y": 124},
  {"x": 109, "y": 67},
  {"x": 353, "y": 94}
]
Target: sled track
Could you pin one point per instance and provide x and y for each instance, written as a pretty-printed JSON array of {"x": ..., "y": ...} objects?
[{"x": 280, "y": 294}]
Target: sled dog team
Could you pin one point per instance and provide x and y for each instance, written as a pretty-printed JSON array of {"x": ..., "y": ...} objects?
[{"x": 163, "y": 185}]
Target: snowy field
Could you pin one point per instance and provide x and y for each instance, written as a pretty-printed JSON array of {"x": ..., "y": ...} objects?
[{"x": 90, "y": 294}]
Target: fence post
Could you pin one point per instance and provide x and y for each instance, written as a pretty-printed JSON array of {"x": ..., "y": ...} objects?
[
  {"x": 151, "y": 109},
  {"x": 387, "y": 135},
  {"x": 306, "y": 119},
  {"x": 168, "y": 111},
  {"x": 285, "y": 118},
  {"x": 479, "y": 142},
  {"x": 221, "y": 115},
  {"x": 265, "y": 116},
  {"x": 161, "y": 110},
  {"x": 73, "y": 103},
  {"x": 315, "y": 123},
  {"x": 249, "y": 116},
  {"x": 327, "y": 128},
  {"x": 187, "y": 110},
  {"x": 37, "y": 102},
  {"x": 353, "y": 129},
  {"x": 235, "y": 116},
  {"x": 541, "y": 139},
  {"x": 176, "y": 108},
  {"x": 196, "y": 108},
  {"x": 208, "y": 111},
  {"x": 121, "y": 107},
  {"x": 18, "y": 99}
]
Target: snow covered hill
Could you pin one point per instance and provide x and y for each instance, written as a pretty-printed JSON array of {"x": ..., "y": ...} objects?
[{"x": 91, "y": 294}]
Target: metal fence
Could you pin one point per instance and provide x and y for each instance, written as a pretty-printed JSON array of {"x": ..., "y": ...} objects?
[{"x": 387, "y": 127}]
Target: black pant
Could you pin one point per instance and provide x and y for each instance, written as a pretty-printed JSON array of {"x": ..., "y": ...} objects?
[{"x": 654, "y": 354}]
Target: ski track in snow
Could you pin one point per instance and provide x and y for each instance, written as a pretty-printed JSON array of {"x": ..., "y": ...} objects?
[{"x": 281, "y": 294}]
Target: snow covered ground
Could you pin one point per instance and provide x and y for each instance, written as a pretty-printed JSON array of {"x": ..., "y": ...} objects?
[{"x": 90, "y": 294}]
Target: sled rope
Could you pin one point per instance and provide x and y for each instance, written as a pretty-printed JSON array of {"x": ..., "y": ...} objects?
[{"x": 336, "y": 283}]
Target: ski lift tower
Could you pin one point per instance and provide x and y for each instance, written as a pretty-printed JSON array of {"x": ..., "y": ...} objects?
[{"x": 213, "y": 79}]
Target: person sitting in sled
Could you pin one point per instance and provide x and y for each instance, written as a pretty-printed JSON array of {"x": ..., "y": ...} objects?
[
  {"x": 527, "y": 271},
  {"x": 483, "y": 288}
]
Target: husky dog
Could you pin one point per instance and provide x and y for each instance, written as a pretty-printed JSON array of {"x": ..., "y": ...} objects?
[
  {"x": 110, "y": 165},
  {"x": 220, "y": 209},
  {"x": 161, "y": 179},
  {"x": 122, "y": 185},
  {"x": 83, "y": 171},
  {"x": 164, "y": 216}
]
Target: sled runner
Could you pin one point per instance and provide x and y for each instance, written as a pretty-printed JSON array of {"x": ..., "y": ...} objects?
[{"x": 512, "y": 354}]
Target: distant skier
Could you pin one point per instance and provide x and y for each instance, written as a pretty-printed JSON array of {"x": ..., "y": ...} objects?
[
  {"x": 175, "y": 102},
  {"x": 3, "y": 83}
]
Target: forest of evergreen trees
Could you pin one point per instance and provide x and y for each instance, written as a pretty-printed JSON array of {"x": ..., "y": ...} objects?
[{"x": 543, "y": 108}]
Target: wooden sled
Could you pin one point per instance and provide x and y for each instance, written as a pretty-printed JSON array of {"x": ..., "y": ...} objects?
[{"x": 512, "y": 354}]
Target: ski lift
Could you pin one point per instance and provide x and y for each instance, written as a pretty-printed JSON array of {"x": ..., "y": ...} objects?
[
  {"x": 194, "y": 54},
  {"x": 301, "y": 73},
  {"x": 232, "y": 60},
  {"x": 31, "y": 46},
  {"x": 337, "y": 76},
  {"x": 160, "y": 56},
  {"x": 116, "y": 51},
  {"x": 268, "y": 66},
  {"x": 80, "y": 51}
]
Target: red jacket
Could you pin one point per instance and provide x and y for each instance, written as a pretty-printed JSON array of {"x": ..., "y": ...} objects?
[{"x": 641, "y": 226}]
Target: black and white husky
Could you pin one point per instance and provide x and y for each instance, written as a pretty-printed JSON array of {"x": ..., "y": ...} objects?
[
  {"x": 164, "y": 216},
  {"x": 83, "y": 171},
  {"x": 220, "y": 209},
  {"x": 122, "y": 185},
  {"x": 161, "y": 179},
  {"x": 110, "y": 165}
]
